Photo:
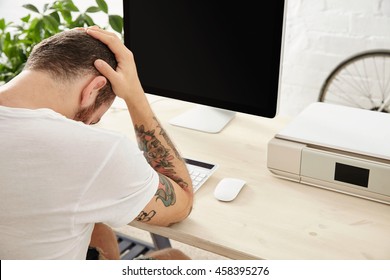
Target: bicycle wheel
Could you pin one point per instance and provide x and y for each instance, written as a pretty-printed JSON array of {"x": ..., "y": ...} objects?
[{"x": 361, "y": 81}]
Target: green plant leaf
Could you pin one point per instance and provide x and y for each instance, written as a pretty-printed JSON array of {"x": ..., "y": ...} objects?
[
  {"x": 93, "y": 10},
  {"x": 31, "y": 8},
  {"x": 116, "y": 23},
  {"x": 70, "y": 6},
  {"x": 78, "y": 22},
  {"x": 33, "y": 23},
  {"x": 102, "y": 5},
  {"x": 56, "y": 16},
  {"x": 1, "y": 47},
  {"x": 26, "y": 18},
  {"x": 51, "y": 23},
  {"x": 88, "y": 20},
  {"x": 45, "y": 7},
  {"x": 37, "y": 34},
  {"x": 2, "y": 24},
  {"x": 67, "y": 16}
]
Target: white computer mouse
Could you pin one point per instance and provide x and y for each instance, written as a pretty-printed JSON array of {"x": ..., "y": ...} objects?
[{"x": 228, "y": 188}]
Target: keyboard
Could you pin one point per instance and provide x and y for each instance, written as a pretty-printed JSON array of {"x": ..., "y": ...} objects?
[{"x": 200, "y": 171}]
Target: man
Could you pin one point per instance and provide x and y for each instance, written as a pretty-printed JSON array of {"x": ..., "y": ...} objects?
[{"x": 63, "y": 181}]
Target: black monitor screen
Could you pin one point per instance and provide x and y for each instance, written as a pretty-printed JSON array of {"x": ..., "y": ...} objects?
[{"x": 223, "y": 54}]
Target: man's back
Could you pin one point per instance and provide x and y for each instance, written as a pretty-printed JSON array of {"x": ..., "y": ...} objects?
[{"x": 59, "y": 177}]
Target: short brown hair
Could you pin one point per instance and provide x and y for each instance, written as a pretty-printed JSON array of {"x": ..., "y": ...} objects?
[{"x": 70, "y": 54}]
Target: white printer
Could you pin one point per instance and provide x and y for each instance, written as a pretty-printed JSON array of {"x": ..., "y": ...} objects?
[{"x": 335, "y": 147}]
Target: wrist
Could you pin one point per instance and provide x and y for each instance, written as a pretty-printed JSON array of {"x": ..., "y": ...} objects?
[{"x": 135, "y": 97}]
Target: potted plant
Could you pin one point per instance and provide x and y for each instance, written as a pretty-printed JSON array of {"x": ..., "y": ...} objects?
[{"x": 17, "y": 40}]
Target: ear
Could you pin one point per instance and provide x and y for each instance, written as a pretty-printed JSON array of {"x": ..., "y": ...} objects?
[{"x": 91, "y": 91}]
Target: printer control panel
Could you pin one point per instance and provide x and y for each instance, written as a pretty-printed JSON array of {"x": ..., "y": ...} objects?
[{"x": 346, "y": 173}]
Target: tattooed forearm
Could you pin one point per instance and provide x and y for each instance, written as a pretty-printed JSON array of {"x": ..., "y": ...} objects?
[
  {"x": 167, "y": 193},
  {"x": 157, "y": 154},
  {"x": 168, "y": 139},
  {"x": 150, "y": 145}
]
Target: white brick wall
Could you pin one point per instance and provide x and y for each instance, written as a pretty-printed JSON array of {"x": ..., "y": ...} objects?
[{"x": 322, "y": 33}]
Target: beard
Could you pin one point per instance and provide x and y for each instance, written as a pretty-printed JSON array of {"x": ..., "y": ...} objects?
[{"x": 83, "y": 115}]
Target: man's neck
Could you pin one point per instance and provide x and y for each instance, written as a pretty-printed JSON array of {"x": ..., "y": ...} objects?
[{"x": 34, "y": 90}]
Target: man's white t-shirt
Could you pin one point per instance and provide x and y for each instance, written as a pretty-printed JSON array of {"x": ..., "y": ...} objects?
[{"x": 58, "y": 177}]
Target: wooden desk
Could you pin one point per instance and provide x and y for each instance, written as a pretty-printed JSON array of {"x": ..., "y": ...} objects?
[{"x": 272, "y": 218}]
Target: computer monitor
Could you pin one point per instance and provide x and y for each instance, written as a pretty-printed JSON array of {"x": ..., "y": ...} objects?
[{"x": 224, "y": 56}]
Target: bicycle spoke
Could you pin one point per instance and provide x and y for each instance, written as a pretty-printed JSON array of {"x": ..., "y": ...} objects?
[
  {"x": 381, "y": 84},
  {"x": 386, "y": 82},
  {"x": 355, "y": 85},
  {"x": 361, "y": 81},
  {"x": 345, "y": 96}
]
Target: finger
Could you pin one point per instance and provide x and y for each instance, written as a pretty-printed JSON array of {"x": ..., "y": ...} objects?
[
  {"x": 100, "y": 33},
  {"x": 86, "y": 28},
  {"x": 97, "y": 28},
  {"x": 105, "y": 69}
]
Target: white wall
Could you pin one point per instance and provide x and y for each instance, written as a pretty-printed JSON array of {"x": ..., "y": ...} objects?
[
  {"x": 322, "y": 33},
  {"x": 319, "y": 35}
]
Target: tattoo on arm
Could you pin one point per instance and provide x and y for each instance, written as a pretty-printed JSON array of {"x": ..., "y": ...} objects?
[
  {"x": 157, "y": 155},
  {"x": 145, "y": 217},
  {"x": 166, "y": 194},
  {"x": 169, "y": 141}
]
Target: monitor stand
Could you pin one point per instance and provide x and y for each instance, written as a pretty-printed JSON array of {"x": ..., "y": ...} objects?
[{"x": 204, "y": 118}]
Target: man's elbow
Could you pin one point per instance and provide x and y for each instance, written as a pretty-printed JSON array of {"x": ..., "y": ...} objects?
[{"x": 174, "y": 219}]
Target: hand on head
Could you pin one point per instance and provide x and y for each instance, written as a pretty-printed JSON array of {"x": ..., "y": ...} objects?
[{"x": 124, "y": 79}]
